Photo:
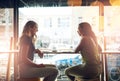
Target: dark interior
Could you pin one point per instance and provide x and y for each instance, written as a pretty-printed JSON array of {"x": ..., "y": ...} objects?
[{"x": 45, "y": 3}]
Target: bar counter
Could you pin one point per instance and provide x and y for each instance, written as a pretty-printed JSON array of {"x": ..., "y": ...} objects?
[{"x": 104, "y": 60}]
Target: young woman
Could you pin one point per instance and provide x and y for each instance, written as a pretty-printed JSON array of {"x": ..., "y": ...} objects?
[
  {"x": 27, "y": 68},
  {"x": 90, "y": 50}
]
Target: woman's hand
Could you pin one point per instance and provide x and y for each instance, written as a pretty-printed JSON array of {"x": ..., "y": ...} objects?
[
  {"x": 39, "y": 53},
  {"x": 49, "y": 65},
  {"x": 40, "y": 65},
  {"x": 45, "y": 65}
]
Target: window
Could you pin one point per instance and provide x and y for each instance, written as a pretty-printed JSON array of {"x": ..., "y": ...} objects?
[
  {"x": 57, "y": 28},
  {"x": 6, "y": 32},
  {"x": 57, "y": 32},
  {"x": 112, "y": 28},
  {"x": 64, "y": 22}
]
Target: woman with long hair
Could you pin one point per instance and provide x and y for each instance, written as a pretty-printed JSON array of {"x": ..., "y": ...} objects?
[
  {"x": 27, "y": 68},
  {"x": 89, "y": 50}
]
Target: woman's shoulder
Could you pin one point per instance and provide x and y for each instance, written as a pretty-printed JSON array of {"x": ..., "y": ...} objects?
[
  {"x": 85, "y": 38},
  {"x": 25, "y": 39}
]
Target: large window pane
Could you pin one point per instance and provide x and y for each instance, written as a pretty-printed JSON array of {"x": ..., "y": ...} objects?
[
  {"x": 58, "y": 32},
  {"x": 112, "y": 27},
  {"x": 6, "y": 32},
  {"x": 112, "y": 36}
]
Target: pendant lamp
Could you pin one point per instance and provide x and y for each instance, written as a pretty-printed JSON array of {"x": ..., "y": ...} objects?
[
  {"x": 74, "y": 2},
  {"x": 115, "y": 2}
]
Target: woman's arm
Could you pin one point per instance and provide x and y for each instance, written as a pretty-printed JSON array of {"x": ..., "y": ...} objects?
[
  {"x": 25, "y": 49},
  {"x": 80, "y": 46},
  {"x": 39, "y": 53}
]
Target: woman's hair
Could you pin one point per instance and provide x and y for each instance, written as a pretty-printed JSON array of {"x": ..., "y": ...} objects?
[
  {"x": 28, "y": 26},
  {"x": 87, "y": 30}
]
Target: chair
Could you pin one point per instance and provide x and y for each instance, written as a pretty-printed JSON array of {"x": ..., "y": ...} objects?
[{"x": 97, "y": 78}]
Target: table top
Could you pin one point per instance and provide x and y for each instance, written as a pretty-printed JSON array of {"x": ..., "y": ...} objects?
[{"x": 103, "y": 52}]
